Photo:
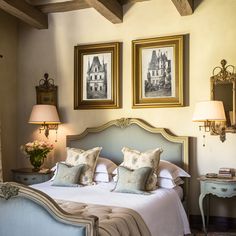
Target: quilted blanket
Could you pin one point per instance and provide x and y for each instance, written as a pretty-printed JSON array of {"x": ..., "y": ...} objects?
[{"x": 113, "y": 221}]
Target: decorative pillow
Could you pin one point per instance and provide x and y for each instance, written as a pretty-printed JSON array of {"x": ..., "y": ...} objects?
[
  {"x": 102, "y": 177},
  {"x": 105, "y": 165},
  {"x": 134, "y": 159},
  {"x": 78, "y": 156},
  {"x": 54, "y": 169},
  {"x": 171, "y": 171},
  {"x": 67, "y": 176},
  {"x": 132, "y": 181},
  {"x": 169, "y": 183}
]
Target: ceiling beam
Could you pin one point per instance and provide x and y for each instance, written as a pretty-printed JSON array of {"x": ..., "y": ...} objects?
[
  {"x": 131, "y": 1},
  {"x": 63, "y": 6},
  {"x": 72, "y": 5},
  {"x": 25, "y": 12},
  {"x": 184, "y": 7},
  {"x": 111, "y": 10}
]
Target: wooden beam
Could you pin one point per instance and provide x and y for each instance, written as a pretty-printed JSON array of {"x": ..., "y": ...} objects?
[
  {"x": 63, "y": 6},
  {"x": 72, "y": 5},
  {"x": 131, "y": 1},
  {"x": 112, "y": 10},
  {"x": 25, "y": 12},
  {"x": 184, "y": 7}
]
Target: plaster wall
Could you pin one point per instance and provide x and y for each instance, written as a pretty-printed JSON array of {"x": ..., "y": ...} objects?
[
  {"x": 8, "y": 90},
  {"x": 212, "y": 36}
]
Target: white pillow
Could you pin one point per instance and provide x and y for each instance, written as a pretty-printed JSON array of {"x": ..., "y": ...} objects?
[
  {"x": 169, "y": 170},
  {"x": 104, "y": 168},
  {"x": 166, "y": 169},
  {"x": 102, "y": 177},
  {"x": 169, "y": 183},
  {"x": 105, "y": 165}
]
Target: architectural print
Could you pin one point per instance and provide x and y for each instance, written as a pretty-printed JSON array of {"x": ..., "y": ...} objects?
[
  {"x": 159, "y": 73},
  {"x": 97, "y": 76},
  {"x": 96, "y": 84}
]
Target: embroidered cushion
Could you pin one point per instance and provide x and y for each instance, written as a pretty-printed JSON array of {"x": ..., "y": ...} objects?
[
  {"x": 67, "y": 176},
  {"x": 134, "y": 159},
  {"x": 77, "y": 156},
  {"x": 132, "y": 181}
]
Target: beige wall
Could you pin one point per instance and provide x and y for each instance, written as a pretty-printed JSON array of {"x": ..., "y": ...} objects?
[
  {"x": 212, "y": 37},
  {"x": 8, "y": 65}
]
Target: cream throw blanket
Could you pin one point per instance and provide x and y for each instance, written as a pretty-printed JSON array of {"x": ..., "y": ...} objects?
[{"x": 113, "y": 221}]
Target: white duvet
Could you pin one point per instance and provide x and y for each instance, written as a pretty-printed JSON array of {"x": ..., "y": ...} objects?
[{"x": 162, "y": 211}]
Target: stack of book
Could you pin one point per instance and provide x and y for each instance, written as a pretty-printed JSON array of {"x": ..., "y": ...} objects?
[{"x": 226, "y": 173}]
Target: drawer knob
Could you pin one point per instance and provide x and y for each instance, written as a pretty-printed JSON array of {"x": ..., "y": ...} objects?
[
  {"x": 234, "y": 189},
  {"x": 34, "y": 178},
  {"x": 224, "y": 189},
  {"x": 25, "y": 179},
  {"x": 213, "y": 187}
]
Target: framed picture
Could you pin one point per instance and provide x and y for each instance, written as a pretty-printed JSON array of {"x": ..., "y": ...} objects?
[
  {"x": 158, "y": 72},
  {"x": 46, "y": 91},
  {"x": 97, "y": 82}
]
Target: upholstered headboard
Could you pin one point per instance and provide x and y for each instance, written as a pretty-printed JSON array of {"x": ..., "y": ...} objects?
[
  {"x": 137, "y": 134},
  {"x": 132, "y": 133}
]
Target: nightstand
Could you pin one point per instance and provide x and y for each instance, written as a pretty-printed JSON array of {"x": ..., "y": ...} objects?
[
  {"x": 27, "y": 176},
  {"x": 225, "y": 188}
]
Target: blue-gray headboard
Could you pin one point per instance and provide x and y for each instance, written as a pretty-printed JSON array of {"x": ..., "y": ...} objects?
[{"x": 132, "y": 133}]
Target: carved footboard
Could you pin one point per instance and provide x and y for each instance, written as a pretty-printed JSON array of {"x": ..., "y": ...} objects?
[{"x": 29, "y": 212}]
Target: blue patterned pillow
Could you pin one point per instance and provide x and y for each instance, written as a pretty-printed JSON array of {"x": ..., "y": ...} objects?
[
  {"x": 67, "y": 176},
  {"x": 132, "y": 181}
]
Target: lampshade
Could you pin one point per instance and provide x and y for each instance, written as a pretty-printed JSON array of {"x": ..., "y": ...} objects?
[
  {"x": 44, "y": 114},
  {"x": 209, "y": 111}
]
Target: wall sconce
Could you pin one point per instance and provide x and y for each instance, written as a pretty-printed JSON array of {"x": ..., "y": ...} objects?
[
  {"x": 46, "y": 116},
  {"x": 212, "y": 114}
]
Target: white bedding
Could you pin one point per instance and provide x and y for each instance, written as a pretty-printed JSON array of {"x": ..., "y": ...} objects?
[{"x": 162, "y": 210}]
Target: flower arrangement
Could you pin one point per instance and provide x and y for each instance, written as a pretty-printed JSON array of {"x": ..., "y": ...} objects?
[{"x": 37, "y": 151}]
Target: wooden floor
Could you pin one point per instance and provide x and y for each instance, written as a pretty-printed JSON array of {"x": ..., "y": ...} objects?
[
  {"x": 215, "y": 234},
  {"x": 218, "y": 226}
]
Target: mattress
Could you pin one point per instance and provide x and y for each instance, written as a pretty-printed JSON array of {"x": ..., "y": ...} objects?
[{"x": 159, "y": 210}]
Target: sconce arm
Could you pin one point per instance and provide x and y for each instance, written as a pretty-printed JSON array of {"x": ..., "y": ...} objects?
[{"x": 47, "y": 127}]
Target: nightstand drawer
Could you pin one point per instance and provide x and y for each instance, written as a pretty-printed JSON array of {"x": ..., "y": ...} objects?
[
  {"x": 28, "y": 177},
  {"x": 220, "y": 189}
]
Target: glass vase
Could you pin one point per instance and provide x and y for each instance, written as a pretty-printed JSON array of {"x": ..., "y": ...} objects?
[{"x": 36, "y": 161}]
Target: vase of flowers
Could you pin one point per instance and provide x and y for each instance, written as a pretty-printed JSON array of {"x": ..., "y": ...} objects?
[{"x": 37, "y": 151}]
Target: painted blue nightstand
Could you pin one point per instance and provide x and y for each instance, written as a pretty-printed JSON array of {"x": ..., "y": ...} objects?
[
  {"x": 27, "y": 176},
  {"x": 225, "y": 188}
]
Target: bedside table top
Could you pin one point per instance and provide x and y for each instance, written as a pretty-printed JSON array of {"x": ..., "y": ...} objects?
[
  {"x": 29, "y": 171},
  {"x": 219, "y": 180}
]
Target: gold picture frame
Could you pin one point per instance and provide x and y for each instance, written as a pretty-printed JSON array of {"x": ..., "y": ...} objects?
[
  {"x": 97, "y": 81},
  {"x": 158, "y": 72}
]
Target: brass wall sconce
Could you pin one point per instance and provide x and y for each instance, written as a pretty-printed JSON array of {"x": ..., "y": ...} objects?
[
  {"x": 219, "y": 114},
  {"x": 46, "y": 116},
  {"x": 212, "y": 114}
]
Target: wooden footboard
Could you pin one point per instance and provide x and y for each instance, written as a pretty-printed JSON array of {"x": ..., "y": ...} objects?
[{"x": 29, "y": 212}]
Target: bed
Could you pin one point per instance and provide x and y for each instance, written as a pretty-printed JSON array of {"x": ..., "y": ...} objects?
[{"x": 96, "y": 210}]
